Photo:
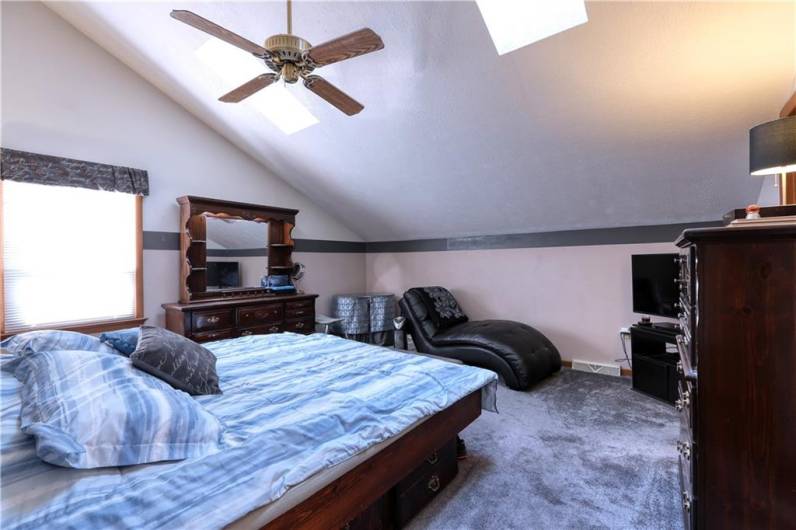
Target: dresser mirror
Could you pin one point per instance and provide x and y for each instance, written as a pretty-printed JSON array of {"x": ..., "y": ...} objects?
[
  {"x": 237, "y": 253},
  {"x": 227, "y": 247}
]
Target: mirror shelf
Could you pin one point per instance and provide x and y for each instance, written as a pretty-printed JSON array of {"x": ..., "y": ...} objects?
[{"x": 194, "y": 215}]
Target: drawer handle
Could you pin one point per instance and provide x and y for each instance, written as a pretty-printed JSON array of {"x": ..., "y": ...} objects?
[
  {"x": 273, "y": 329},
  {"x": 433, "y": 483},
  {"x": 686, "y": 501},
  {"x": 246, "y": 332},
  {"x": 684, "y": 449},
  {"x": 299, "y": 325},
  {"x": 433, "y": 459},
  {"x": 682, "y": 345},
  {"x": 683, "y": 401},
  {"x": 298, "y": 312},
  {"x": 215, "y": 319}
]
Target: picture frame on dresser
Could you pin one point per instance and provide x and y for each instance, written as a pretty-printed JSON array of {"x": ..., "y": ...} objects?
[{"x": 204, "y": 314}]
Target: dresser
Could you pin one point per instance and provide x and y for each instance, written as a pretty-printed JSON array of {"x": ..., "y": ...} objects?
[
  {"x": 225, "y": 319},
  {"x": 736, "y": 390}
]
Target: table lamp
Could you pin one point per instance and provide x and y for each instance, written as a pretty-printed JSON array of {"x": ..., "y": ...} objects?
[{"x": 772, "y": 151}]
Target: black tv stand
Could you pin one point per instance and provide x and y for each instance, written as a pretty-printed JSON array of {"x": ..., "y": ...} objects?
[
  {"x": 664, "y": 326},
  {"x": 654, "y": 368}
]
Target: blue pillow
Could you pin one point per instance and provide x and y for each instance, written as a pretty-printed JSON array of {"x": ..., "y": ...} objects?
[
  {"x": 50, "y": 339},
  {"x": 91, "y": 409},
  {"x": 124, "y": 341}
]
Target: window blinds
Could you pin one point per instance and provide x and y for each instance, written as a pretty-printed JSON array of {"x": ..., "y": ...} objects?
[{"x": 69, "y": 255}]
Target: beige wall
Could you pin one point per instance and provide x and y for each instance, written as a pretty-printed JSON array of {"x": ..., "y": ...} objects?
[
  {"x": 63, "y": 95},
  {"x": 578, "y": 296}
]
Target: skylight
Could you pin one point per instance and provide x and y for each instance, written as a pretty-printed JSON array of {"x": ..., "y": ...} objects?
[
  {"x": 276, "y": 103},
  {"x": 513, "y": 24}
]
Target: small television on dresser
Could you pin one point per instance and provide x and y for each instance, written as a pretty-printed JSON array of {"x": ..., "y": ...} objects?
[
  {"x": 223, "y": 274},
  {"x": 655, "y": 291}
]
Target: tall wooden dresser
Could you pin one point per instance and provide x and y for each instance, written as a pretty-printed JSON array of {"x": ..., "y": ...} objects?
[{"x": 737, "y": 387}]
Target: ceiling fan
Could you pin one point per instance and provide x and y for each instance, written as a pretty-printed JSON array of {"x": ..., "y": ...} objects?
[{"x": 292, "y": 58}]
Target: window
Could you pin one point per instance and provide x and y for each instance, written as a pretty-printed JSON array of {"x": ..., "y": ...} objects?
[{"x": 71, "y": 258}]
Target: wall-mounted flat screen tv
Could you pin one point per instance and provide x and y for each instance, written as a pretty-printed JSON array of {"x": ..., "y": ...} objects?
[{"x": 654, "y": 289}]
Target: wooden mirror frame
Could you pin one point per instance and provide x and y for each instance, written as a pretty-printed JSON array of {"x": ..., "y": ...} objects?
[{"x": 193, "y": 244}]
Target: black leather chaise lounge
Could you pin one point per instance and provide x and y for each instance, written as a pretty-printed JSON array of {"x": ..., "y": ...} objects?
[{"x": 520, "y": 354}]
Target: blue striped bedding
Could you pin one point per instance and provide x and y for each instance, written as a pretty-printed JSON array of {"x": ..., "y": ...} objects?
[{"x": 293, "y": 405}]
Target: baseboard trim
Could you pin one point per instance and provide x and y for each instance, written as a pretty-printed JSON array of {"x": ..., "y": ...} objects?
[{"x": 624, "y": 371}]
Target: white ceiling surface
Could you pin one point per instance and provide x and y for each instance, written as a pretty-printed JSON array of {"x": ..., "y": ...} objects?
[{"x": 638, "y": 117}]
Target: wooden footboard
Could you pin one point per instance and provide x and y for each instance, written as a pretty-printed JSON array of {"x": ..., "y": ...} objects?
[{"x": 345, "y": 498}]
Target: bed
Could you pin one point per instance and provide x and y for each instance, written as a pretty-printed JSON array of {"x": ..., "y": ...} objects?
[{"x": 318, "y": 428}]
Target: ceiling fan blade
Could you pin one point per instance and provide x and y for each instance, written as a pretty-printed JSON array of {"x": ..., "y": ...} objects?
[
  {"x": 211, "y": 28},
  {"x": 333, "y": 95},
  {"x": 248, "y": 88},
  {"x": 357, "y": 43}
]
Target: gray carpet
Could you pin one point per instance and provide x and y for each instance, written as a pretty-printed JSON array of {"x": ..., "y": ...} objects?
[{"x": 578, "y": 451}]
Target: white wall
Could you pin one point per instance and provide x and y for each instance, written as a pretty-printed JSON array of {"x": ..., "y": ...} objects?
[
  {"x": 63, "y": 95},
  {"x": 578, "y": 296}
]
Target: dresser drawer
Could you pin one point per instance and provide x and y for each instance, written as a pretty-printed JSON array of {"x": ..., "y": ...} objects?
[
  {"x": 687, "y": 500},
  {"x": 684, "y": 368},
  {"x": 433, "y": 463},
  {"x": 300, "y": 313},
  {"x": 207, "y": 320},
  {"x": 306, "y": 325},
  {"x": 254, "y": 315},
  {"x": 274, "y": 327},
  {"x": 685, "y": 402},
  {"x": 207, "y": 336},
  {"x": 686, "y": 454},
  {"x": 423, "y": 484},
  {"x": 686, "y": 277},
  {"x": 309, "y": 303}
]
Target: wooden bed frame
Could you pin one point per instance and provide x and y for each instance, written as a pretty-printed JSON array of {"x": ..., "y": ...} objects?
[{"x": 348, "y": 496}]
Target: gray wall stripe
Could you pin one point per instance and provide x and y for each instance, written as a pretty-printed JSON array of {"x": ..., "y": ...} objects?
[
  {"x": 237, "y": 252},
  {"x": 567, "y": 238},
  {"x": 171, "y": 241},
  {"x": 564, "y": 238},
  {"x": 161, "y": 240},
  {"x": 414, "y": 245},
  {"x": 324, "y": 245}
]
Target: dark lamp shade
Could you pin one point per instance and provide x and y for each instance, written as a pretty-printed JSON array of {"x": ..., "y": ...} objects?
[{"x": 772, "y": 147}]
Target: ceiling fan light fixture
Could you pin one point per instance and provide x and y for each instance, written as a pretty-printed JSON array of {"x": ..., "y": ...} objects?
[
  {"x": 513, "y": 24},
  {"x": 275, "y": 102},
  {"x": 227, "y": 62},
  {"x": 282, "y": 108}
]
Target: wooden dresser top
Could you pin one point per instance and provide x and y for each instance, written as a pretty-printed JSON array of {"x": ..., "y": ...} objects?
[{"x": 232, "y": 302}]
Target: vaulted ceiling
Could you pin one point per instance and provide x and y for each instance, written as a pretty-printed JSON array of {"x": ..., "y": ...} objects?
[{"x": 638, "y": 117}]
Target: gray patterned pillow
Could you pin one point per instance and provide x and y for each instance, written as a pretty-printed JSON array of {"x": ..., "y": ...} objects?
[
  {"x": 180, "y": 362},
  {"x": 443, "y": 309}
]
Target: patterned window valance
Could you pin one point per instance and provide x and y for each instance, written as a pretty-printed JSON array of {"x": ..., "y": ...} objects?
[{"x": 56, "y": 171}]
